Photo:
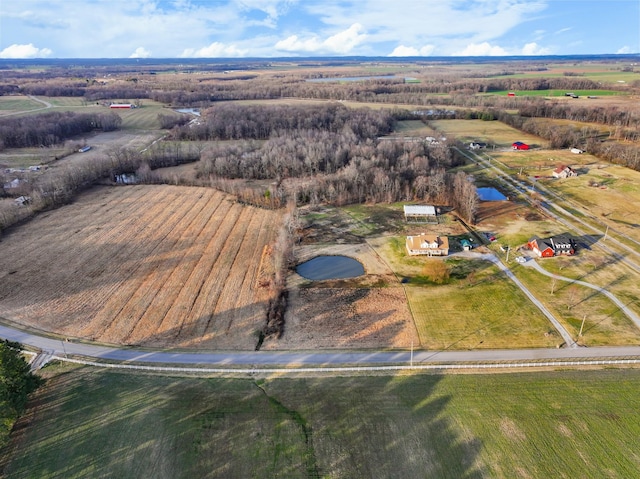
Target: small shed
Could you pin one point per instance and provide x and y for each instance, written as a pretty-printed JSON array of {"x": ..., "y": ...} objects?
[
  {"x": 420, "y": 214},
  {"x": 466, "y": 244}
]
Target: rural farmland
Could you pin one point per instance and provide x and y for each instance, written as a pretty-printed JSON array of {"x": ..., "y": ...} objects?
[{"x": 149, "y": 265}]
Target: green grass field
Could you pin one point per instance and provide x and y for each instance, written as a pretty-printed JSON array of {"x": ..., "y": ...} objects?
[
  {"x": 570, "y": 303},
  {"x": 97, "y": 423},
  {"x": 10, "y": 104},
  {"x": 484, "y": 310}
]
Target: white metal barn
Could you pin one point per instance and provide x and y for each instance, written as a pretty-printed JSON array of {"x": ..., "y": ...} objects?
[{"x": 420, "y": 214}]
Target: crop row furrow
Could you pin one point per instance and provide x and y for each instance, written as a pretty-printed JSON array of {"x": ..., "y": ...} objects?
[
  {"x": 139, "y": 249},
  {"x": 162, "y": 289},
  {"x": 180, "y": 309}
]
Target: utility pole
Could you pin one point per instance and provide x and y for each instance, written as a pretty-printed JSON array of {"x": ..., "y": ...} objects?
[
  {"x": 508, "y": 249},
  {"x": 605, "y": 234}
]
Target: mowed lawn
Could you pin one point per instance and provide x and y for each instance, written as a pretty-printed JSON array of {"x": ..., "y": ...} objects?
[
  {"x": 478, "y": 307},
  {"x": 96, "y": 423},
  {"x": 488, "y": 313}
]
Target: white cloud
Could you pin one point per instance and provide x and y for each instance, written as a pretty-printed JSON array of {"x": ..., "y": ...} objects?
[
  {"x": 534, "y": 49},
  {"x": 215, "y": 50},
  {"x": 295, "y": 44},
  {"x": 625, "y": 49},
  {"x": 24, "y": 51},
  {"x": 342, "y": 42},
  {"x": 141, "y": 52},
  {"x": 562, "y": 30},
  {"x": 404, "y": 51},
  {"x": 347, "y": 40},
  {"x": 484, "y": 49}
]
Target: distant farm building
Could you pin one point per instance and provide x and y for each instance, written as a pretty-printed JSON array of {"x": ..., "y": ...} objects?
[
  {"x": 563, "y": 171},
  {"x": 518, "y": 145},
  {"x": 511, "y": 93},
  {"x": 122, "y": 105},
  {"x": 576, "y": 151},
  {"x": 84, "y": 149},
  {"x": 420, "y": 214},
  {"x": 553, "y": 246},
  {"x": 477, "y": 145},
  {"x": 428, "y": 245}
]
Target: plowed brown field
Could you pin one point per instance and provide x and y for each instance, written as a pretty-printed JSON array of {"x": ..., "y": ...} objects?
[{"x": 148, "y": 265}]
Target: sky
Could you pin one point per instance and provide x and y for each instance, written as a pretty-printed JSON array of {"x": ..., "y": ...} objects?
[{"x": 308, "y": 28}]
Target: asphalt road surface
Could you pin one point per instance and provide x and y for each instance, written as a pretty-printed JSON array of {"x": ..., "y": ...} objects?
[{"x": 258, "y": 359}]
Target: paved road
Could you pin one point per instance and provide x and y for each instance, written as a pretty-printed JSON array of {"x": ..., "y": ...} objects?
[
  {"x": 308, "y": 358},
  {"x": 625, "y": 309}
]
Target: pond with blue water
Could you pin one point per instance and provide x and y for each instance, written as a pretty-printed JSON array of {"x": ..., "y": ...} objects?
[
  {"x": 330, "y": 267},
  {"x": 490, "y": 194}
]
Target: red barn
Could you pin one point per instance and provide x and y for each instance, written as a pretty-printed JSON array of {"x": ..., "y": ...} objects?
[
  {"x": 518, "y": 145},
  {"x": 553, "y": 246}
]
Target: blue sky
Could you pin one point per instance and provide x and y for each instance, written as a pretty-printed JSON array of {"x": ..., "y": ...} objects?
[{"x": 290, "y": 28}]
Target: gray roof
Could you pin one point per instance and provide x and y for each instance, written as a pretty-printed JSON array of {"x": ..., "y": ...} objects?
[{"x": 426, "y": 210}]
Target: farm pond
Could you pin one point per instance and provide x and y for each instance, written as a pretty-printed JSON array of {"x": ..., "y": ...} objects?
[
  {"x": 490, "y": 194},
  {"x": 330, "y": 267}
]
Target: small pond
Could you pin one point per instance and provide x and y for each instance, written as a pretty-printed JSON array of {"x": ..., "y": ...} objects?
[
  {"x": 490, "y": 194},
  {"x": 330, "y": 267}
]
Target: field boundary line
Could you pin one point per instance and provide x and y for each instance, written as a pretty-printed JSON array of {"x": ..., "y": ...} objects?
[{"x": 358, "y": 369}]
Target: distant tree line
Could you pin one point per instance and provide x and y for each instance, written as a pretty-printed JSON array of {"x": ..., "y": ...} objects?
[
  {"x": 587, "y": 138},
  {"x": 340, "y": 161},
  {"x": 258, "y": 122},
  {"x": 58, "y": 186},
  {"x": 52, "y": 128}
]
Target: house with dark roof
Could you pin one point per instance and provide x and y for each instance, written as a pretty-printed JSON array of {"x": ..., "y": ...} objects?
[{"x": 553, "y": 246}]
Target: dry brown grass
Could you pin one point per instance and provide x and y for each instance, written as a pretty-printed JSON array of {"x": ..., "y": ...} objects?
[{"x": 150, "y": 265}]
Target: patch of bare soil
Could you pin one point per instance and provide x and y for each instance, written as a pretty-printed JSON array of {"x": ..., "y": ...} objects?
[
  {"x": 369, "y": 311},
  {"x": 346, "y": 318}
]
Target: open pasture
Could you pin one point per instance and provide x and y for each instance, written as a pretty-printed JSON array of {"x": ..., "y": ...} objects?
[
  {"x": 145, "y": 265},
  {"x": 604, "y": 322},
  {"x": 484, "y": 310},
  {"x": 489, "y": 131},
  {"x": 98, "y": 423},
  {"x": 542, "y": 162},
  {"x": 612, "y": 194},
  {"x": 11, "y": 104}
]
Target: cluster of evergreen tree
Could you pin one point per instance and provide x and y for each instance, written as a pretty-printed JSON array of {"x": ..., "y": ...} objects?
[{"x": 16, "y": 383}]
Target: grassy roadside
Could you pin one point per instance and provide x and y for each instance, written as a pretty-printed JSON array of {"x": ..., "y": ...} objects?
[{"x": 89, "y": 422}]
